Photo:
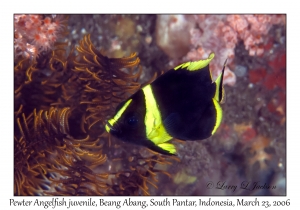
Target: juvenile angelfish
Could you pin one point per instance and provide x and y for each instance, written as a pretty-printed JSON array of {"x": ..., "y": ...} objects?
[{"x": 183, "y": 103}]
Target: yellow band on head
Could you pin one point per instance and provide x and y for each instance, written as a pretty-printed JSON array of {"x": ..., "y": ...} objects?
[{"x": 113, "y": 120}]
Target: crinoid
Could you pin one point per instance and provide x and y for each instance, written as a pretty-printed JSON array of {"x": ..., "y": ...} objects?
[
  {"x": 63, "y": 149},
  {"x": 46, "y": 155},
  {"x": 38, "y": 82},
  {"x": 106, "y": 81}
]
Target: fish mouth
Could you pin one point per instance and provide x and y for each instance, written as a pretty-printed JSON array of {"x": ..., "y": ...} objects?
[{"x": 111, "y": 129}]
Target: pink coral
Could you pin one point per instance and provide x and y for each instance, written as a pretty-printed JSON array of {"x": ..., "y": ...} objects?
[
  {"x": 252, "y": 28},
  {"x": 35, "y": 33},
  {"x": 221, "y": 33}
]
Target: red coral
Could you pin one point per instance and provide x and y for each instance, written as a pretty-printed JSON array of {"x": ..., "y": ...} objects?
[
  {"x": 273, "y": 79},
  {"x": 281, "y": 79},
  {"x": 272, "y": 107},
  {"x": 257, "y": 75},
  {"x": 276, "y": 77},
  {"x": 278, "y": 62},
  {"x": 269, "y": 44},
  {"x": 221, "y": 33},
  {"x": 270, "y": 81}
]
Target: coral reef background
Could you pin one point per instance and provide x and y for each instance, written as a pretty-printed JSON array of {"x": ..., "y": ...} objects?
[{"x": 67, "y": 88}]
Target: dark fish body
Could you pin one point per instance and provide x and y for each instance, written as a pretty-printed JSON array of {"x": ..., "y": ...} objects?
[{"x": 183, "y": 103}]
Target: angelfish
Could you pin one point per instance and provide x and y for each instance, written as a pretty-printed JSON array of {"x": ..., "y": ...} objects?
[{"x": 183, "y": 103}]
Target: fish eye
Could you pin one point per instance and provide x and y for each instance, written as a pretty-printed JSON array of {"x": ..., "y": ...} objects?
[{"x": 132, "y": 120}]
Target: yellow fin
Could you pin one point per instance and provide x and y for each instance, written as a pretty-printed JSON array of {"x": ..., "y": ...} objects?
[
  {"x": 220, "y": 92},
  {"x": 219, "y": 115},
  {"x": 196, "y": 65},
  {"x": 168, "y": 147}
]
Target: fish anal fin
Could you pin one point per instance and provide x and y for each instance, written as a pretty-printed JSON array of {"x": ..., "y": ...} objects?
[
  {"x": 170, "y": 148},
  {"x": 162, "y": 148}
]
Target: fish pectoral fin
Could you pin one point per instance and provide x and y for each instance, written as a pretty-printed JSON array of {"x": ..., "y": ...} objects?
[
  {"x": 172, "y": 123},
  {"x": 170, "y": 148}
]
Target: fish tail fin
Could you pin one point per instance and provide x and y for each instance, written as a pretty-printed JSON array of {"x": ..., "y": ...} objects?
[{"x": 220, "y": 93}]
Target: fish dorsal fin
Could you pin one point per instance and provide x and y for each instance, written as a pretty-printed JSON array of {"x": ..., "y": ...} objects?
[
  {"x": 220, "y": 93},
  {"x": 196, "y": 65}
]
